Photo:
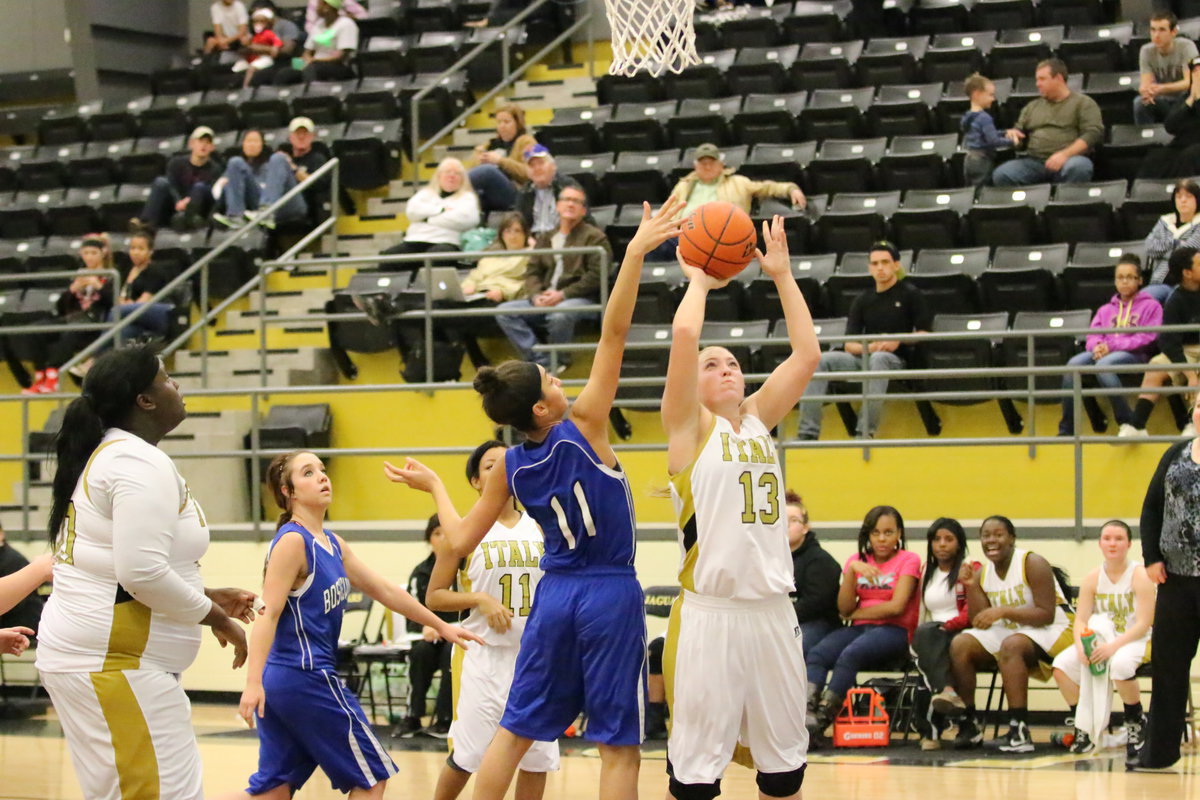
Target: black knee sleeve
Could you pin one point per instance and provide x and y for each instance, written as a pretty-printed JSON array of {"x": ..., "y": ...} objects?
[
  {"x": 694, "y": 791},
  {"x": 654, "y": 651},
  {"x": 450, "y": 763},
  {"x": 780, "y": 784}
]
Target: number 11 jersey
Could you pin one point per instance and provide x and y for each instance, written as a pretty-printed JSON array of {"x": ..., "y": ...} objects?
[
  {"x": 732, "y": 523},
  {"x": 507, "y": 566}
]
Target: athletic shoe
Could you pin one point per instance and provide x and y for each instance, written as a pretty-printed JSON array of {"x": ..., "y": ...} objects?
[
  {"x": 948, "y": 702},
  {"x": 1127, "y": 431},
  {"x": 1082, "y": 744},
  {"x": 1136, "y": 729},
  {"x": 267, "y": 222},
  {"x": 1189, "y": 431},
  {"x": 1017, "y": 740},
  {"x": 930, "y": 744},
  {"x": 226, "y": 220},
  {"x": 407, "y": 727},
  {"x": 438, "y": 730},
  {"x": 969, "y": 735}
]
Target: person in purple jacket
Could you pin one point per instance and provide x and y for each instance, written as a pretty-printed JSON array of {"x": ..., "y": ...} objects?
[
  {"x": 1129, "y": 307},
  {"x": 981, "y": 139}
]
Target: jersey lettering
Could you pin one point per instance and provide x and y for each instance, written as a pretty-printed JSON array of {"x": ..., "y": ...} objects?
[
  {"x": 66, "y": 552},
  {"x": 584, "y": 510},
  {"x": 336, "y": 593}
]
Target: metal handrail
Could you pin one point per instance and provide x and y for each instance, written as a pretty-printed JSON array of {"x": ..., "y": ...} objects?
[
  {"x": 201, "y": 265},
  {"x": 508, "y": 79}
]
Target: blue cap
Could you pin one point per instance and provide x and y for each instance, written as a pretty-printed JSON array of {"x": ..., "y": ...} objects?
[{"x": 536, "y": 151}]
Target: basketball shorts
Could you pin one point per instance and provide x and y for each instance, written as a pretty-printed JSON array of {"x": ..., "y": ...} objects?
[
  {"x": 734, "y": 673},
  {"x": 1053, "y": 639},
  {"x": 584, "y": 649},
  {"x": 311, "y": 719},
  {"x": 129, "y": 733},
  {"x": 1121, "y": 667},
  {"x": 482, "y": 677}
]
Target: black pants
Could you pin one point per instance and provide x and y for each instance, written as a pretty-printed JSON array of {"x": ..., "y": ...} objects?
[
  {"x": 1172, "y": 647},
  {"x": 931, "y": 647},
  {"x": 315, "y": 71},
  {"x": 406, "y": 247},
  {"x": 1171, "y": 162},
  {"x": 424, "y": 659}
]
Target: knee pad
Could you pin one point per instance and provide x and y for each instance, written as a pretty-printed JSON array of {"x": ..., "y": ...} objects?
[
  {"x": 654, "y": 652},
  {"x": 694, "y": 791},
  {"x": 452, "y": 765},
  {"x": 780, "y": 784}
]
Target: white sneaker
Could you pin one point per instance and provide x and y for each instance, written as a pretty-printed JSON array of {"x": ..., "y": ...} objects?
[
  {"x": 1127, "y": 431},
  {"x": 1189, "y": 431}
]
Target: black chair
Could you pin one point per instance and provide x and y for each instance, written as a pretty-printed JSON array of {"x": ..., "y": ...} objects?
[
  {"x": 1048, "y": 351},
  {"x": 938, "y": 16},
  {"x": 968, "y": 354},
  {"x": 769, "y": 118},
  {"x": 824, "y": 65},
  {"x": 644, "y": 362},
  {"x": 1023, "y": 278},
  {"x": 774, "y": 353},
  {"x": 844, "y": 165},
  {"x": 293, "y": 427},
  {"x": 658, "y": 294},
  {"x": 588, "y": 171},
  {"x": 810, "y": 272},
  {"x": 747, "y": 355},
  {"x": 1121, "y": 157},
  {"x": 436, "y": 51},
  {"x": 701, "y": 120},
  {"x": 998, "y": 15},
  {"x": 1071, "y": 12},
  {"x": 376, "y": 293},
  {"x": 575, "y": 131},
  {"x": 638, "y": 177},
  {"x": 891, "y": 60},
  {"x": 705, "y": 80},
  {"x": 903, "y": 110},
  {"x": 835, "y": 113},
  {"x": 854, "y": 218},
  {"x": 816, "y": 22},
  {"x": 371, "y": 105},
  {"x": 753, "y": 30},
  {"x": 641, "y": 88},
  {"x": 1114, "y": 92},
  {"x": 1081, "y": 220},
  {"x": 931, "y": 218},
  {"x": 1105, "y": 254},
  {"x": 762, "y": 69},
  {"x": 1095, "y": 48},
  {"x": 951, "y": 56},
  {"x": 918, "y": 162},
  {"x": 638, "y": 126},
  {"x": 1019, "y": 50},
  {"x": 369, "y": 153},
  {"x": 1006, "y": 215},
  {"x": 947, "y": 278},
  {"x": 1148, "y": 200},
  {"x": 780, "y": 162}
]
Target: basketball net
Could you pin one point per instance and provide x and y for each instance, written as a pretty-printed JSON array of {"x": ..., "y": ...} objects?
[{"x": 651, "y": 35}]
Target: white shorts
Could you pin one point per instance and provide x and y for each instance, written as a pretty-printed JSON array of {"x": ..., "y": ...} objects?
[
  {"x": 734, "y": 673},
  {"x": 1121, "y": 667},
  {"x": 1051, "y": 638},
  {"x": 129, "y": 732},
  {"x": 482, "y": 677}
]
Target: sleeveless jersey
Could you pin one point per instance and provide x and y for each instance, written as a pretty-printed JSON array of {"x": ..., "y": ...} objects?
[
  {"x": 91, "y": 623},
  {"x": 307, "y": 634},
  {"x": 729, "y": 504},
  {"x": 505, "y": 565},
  {"x": 584, "y": 508},
  {"x": 1014, "y": 590},
  {"x": 1116, "y": 599}
]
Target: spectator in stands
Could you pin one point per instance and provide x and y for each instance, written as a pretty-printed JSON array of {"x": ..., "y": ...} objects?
[
  {"x": 1020, "y": 621},
  {"x": 943, "y": 614},
  {"x": 88, "y": 299},
  {"x": 1129, "y": 308},
  {"x": 229, "y": 22},
  {"x": 351, "y": 8},
  {"x": 183, "y": 197},
  {"x": 878, "y": 596},
  {"x": 439, "y": 213},
  {"x": 328, "y": 51},
  {"x": 1182, "y": 308},
  {"x": 138, "y": 287},
  {"x": 816, "y": 573},
  {"x": 537, "y": 200},
  {"x": 1163, "y": 62},
  {"x": 302, "y": 156},
  {"x": 711, "y": 180},
  {"x": 499, "y": 168},
  {"x": 894, "y": 305},
  {"x": 264, "y": 45},
  {"x": 244, "y": 180},
  {"x": 981, "y": 140},
  {"x": 1116, "y": 601},
  {"x": 1180, "y": 158},
  {"x": 1058, "y": 129},
  {"x": 1173, "y": 230},
  {"x": 291, "y": 43},
  {"x": 557, "y": 283},
  {"x": 429, "y": 654},
  {"x": 1171, "y": 553}
]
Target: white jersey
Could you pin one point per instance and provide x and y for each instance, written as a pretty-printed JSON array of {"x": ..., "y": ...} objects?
[
  {"x": 504, "y": 565},
  {"x": 131, "y": 542},
  {"x": 1014, "y": 590},
  {"x": 1116, "y": 600},
  {"x": 729, "y": 505}
]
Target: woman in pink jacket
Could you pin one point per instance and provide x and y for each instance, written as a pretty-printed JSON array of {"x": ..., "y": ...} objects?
[{"x": 1129, "y": 307}]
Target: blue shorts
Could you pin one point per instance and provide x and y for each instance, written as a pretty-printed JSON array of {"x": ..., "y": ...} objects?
[
  {"x": 311, "y": 719},
  {"x": 584, "y": 649}
]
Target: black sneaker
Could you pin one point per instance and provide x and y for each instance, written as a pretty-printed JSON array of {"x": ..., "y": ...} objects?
[
  {"x": 439, "y": 730},
  {"x": 1082, "y": 743},
  {"x": 969, "y": 735},
  {"x": 1136, "y": 729},
  {"x": 1017, "y": 740},
  {"x": 407, "y": 727}
]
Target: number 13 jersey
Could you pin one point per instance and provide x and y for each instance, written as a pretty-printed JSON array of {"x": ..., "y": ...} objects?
[
  {"x": 729, "y": 505},
  {"x": 507, "y": 566}
]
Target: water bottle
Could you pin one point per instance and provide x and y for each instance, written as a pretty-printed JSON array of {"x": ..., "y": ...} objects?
[
  {"x": 1064, "y": 740},
  {"x": 1089, "y": 640}
]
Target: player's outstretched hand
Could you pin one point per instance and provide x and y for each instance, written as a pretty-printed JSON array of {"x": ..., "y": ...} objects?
[
  {"x": 656, "y": 228},
  {"x": 413, "y": 474},
  {"x": 237, "y": 603},
  {"x": 14, "y": 641},
  {"x": 252, "y": 704},
  {"x": 460, "y": 636},
  {"x": 776, "y": 262},
  {"x": 229, "y": 632},
  {"x": 694, "y": 273}
]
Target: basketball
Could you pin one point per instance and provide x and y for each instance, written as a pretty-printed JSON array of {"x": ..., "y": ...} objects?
[{"x": 719, "y": 238}]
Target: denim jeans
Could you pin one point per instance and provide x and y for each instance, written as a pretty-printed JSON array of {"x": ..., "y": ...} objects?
[
  {"x": 558, "y": 325},
  {"x": 278, "y": 180},
  {"x": 1156, "y": 113},
  {"x": 1107, "y": 380},
  {"x": 1027, "y": 169},
  {"x": 155, "y": 322},
  {"x": 847, "y": 651},
  {"x": 818, "y": 388},
  {"x": 813, "y": 631},
  {"x": 1159, "y": 291},
  {"x": 160, "y": 205},
  {"x": 496, "y": 190}
]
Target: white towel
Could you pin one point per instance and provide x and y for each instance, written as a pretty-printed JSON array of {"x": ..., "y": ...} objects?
[{"x": 1095, "y": 691}]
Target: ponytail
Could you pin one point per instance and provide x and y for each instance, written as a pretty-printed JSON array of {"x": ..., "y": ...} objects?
[
  {"x": 110, "y": 392},
  {"x": 279, "y": 476}
]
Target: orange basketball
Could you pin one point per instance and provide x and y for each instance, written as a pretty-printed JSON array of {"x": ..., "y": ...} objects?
[{"x": 719, "y": 238}]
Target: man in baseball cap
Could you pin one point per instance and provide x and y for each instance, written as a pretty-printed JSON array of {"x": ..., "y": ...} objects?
[
  {"x": 537, "y": 200},
  {"x": 299, "y": 123},
  {"x": 183, "y": 196}
]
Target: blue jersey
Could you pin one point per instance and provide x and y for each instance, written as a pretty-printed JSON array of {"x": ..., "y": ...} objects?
[
  {"x": 584, "y": 508},
  {"x": 307, "y": 634}
]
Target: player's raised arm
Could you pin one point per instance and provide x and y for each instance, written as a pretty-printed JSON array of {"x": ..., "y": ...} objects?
[
  {"x": 590, "y": 411},
  {"x": 463, "y": 533},
  {"x": 783, "y": 389}
]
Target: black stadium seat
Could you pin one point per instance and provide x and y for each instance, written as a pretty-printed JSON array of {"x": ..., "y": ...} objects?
[
  {"x": 951, "y": 57},
  {"x": 825, "y": 65},
  {"x": 968, "y": 354},
  {"x": 702, "y": 119},
  {"x": 762, "y": 69},
  {"x": 931, "y": 218}
]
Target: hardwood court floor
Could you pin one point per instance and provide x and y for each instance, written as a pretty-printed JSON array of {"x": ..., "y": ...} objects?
[{"x": 34, "y": 764}]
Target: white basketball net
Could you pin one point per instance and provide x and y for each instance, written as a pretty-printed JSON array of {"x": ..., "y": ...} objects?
[{"x": 651, "y": 35}]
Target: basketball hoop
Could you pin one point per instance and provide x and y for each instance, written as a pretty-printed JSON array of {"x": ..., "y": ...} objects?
[{"x": 651, "y": 35}]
